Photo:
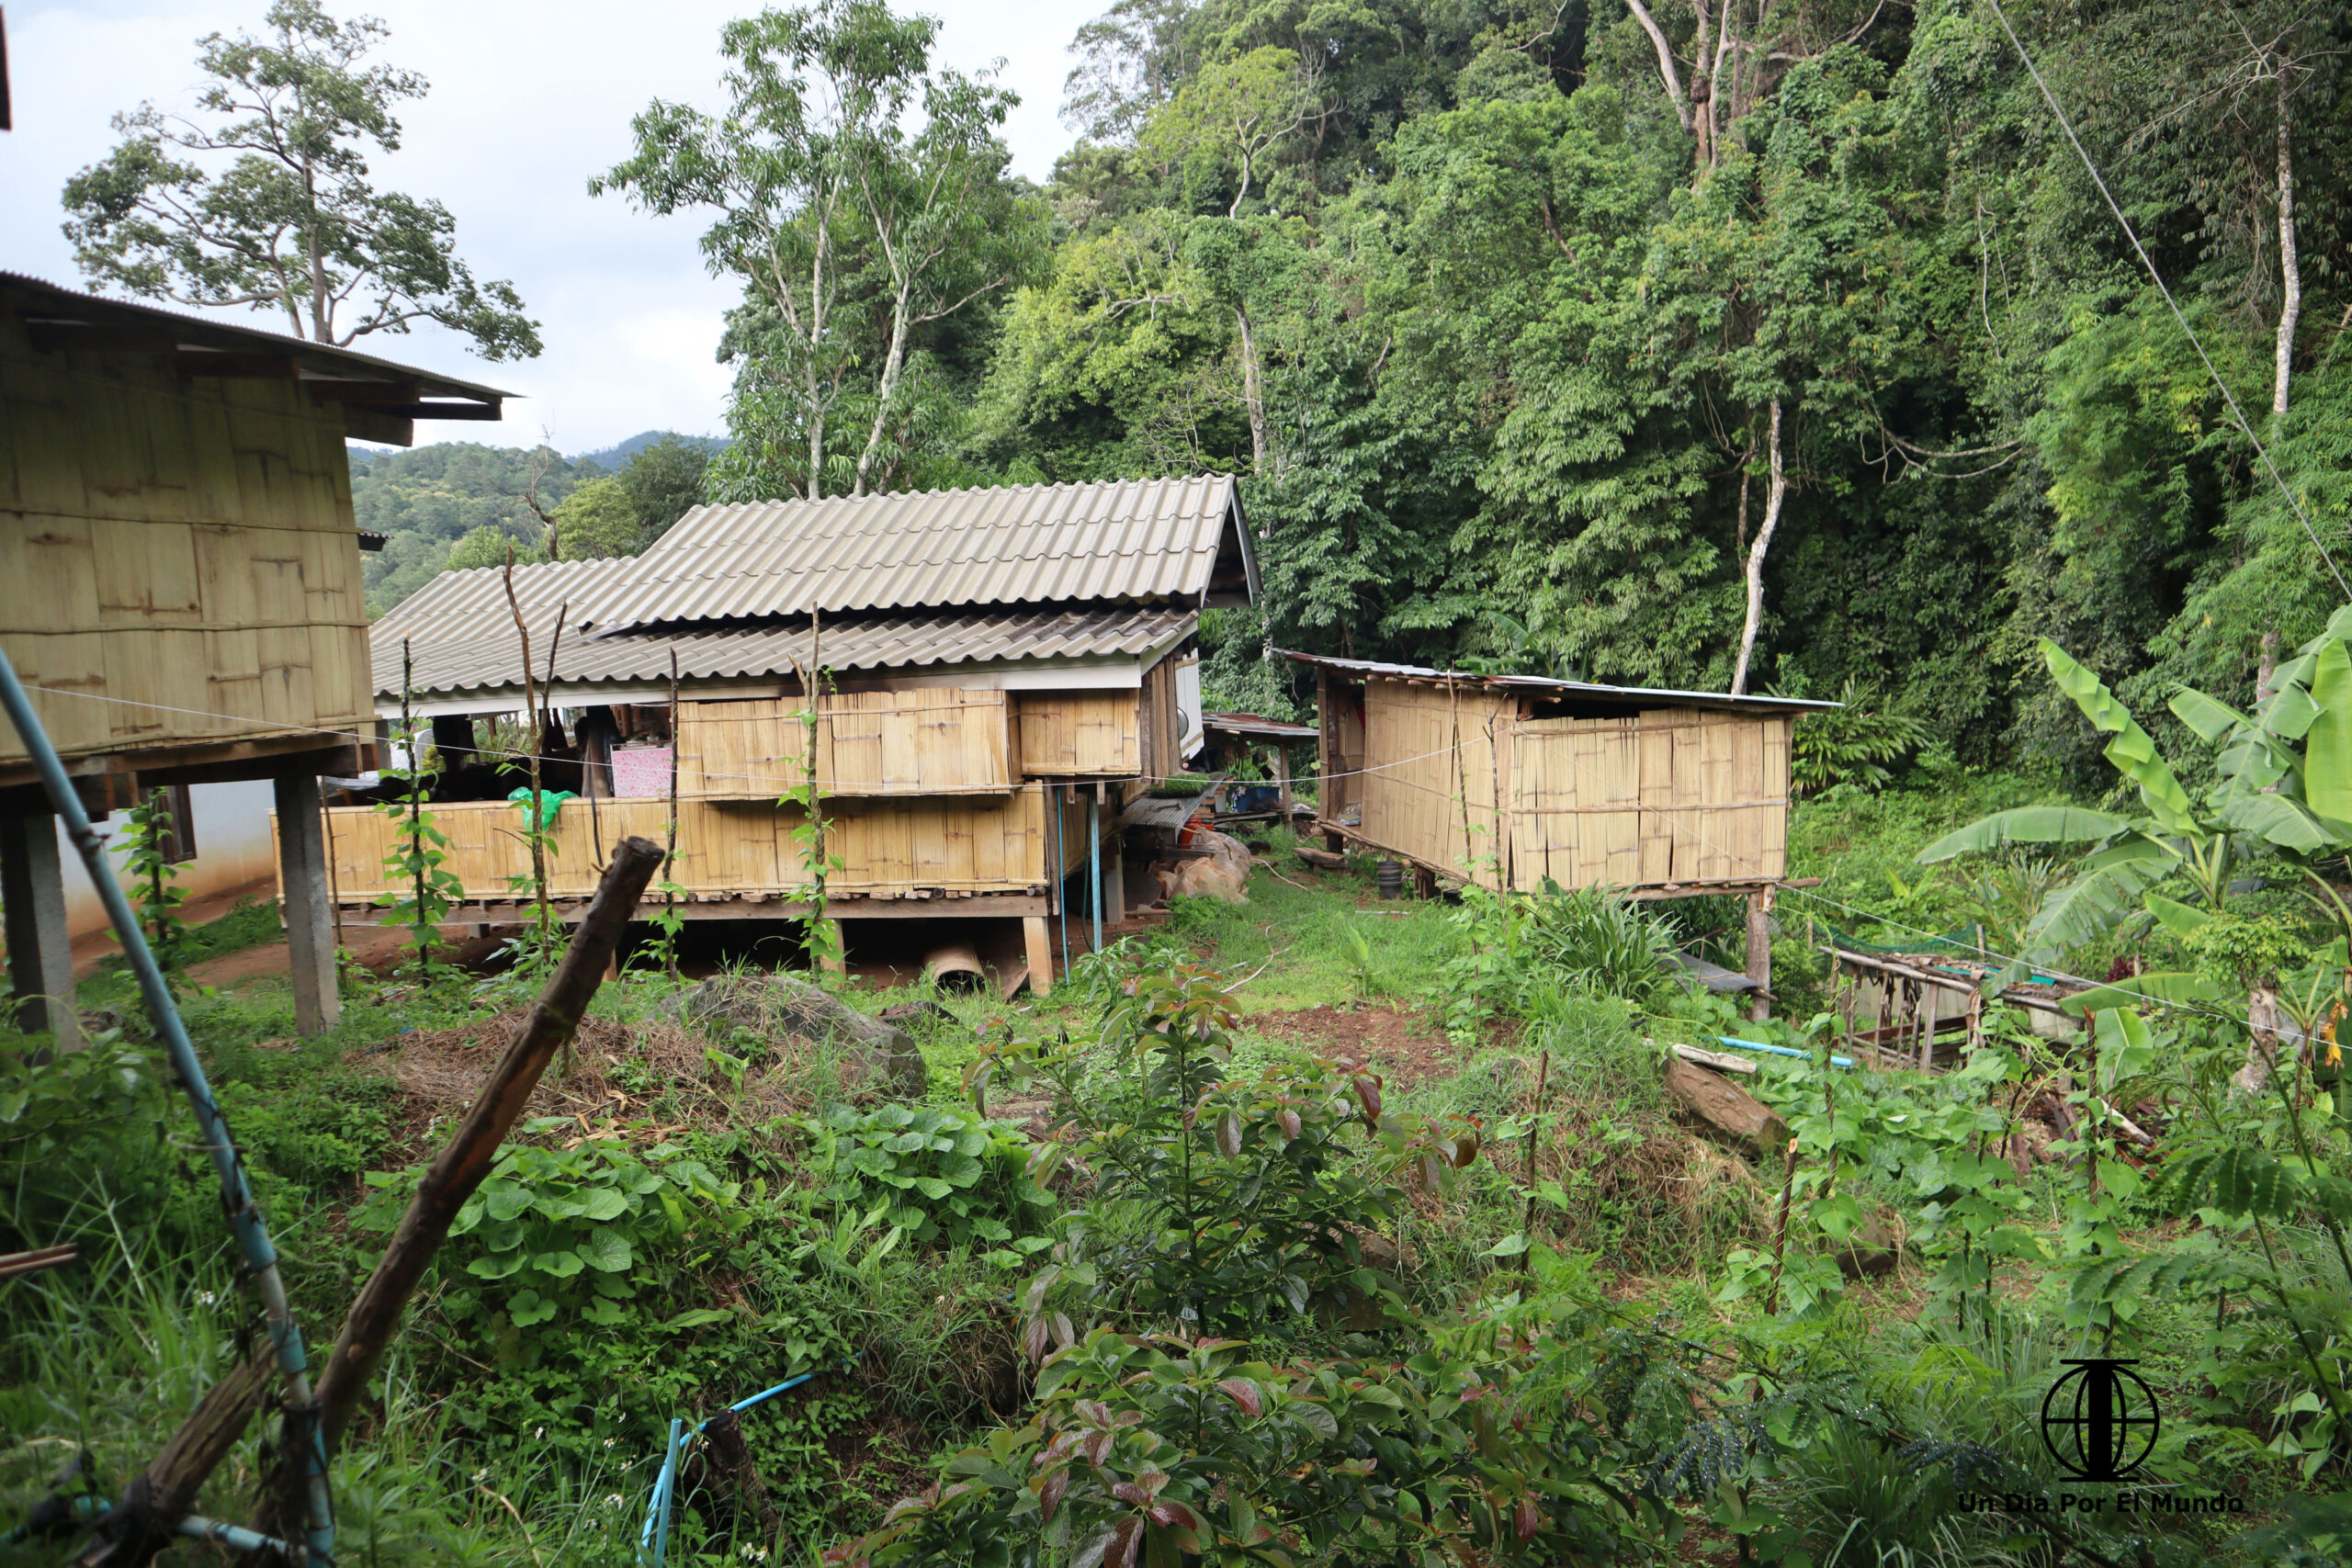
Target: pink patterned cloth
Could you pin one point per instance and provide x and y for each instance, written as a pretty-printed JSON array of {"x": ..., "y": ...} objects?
[{"x": 642, "y": 771}]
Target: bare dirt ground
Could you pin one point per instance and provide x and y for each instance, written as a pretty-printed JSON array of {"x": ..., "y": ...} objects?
[{"x": 1408, "y": 1045}]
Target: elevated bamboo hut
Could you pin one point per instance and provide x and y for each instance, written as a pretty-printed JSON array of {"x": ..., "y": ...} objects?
[
  {"x": 1507, "y": 781},
  {"x": 180, "y": 584},
  {"x": 1002, "y": 669}
]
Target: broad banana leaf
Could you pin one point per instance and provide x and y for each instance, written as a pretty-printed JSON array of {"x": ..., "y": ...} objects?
[
  {"x": 2105, "y": 892},
  {"x": 2290, "y": 710},
  {"x": 2283, "y": 820},
  {"x": 2211, "y": 720},
  {"x": 2132, "y": 751},
  {"x": 2339, "y": 629},
  {"x": 2170, "y": 985},
  {"x": 2175, "y": 915},
  {"x": 2027, "y": 824},
  {"x": 2328, "y": 749}
]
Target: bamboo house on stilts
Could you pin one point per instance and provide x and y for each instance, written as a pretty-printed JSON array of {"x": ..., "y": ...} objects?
[
  {"x": 1001, "y": 671},
  {"x": 1510, "y": 781}
]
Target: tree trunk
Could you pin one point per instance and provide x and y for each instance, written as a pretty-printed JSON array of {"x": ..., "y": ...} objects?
[
  {"x": 1253, "y": 391},
  {"x": 894, "y": 365},
  {"x": 2262, "y": 1017},
  {"x": 1665, "y": 60},
  {"x": 1773, "y": 495},
  {"x": 2290, "y": 277}
]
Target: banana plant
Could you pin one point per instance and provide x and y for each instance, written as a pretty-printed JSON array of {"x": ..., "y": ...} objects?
[{"x": 2283, "y": 787}]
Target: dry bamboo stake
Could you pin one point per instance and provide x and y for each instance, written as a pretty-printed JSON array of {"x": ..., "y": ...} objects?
[
  {"x": 670, "y": 851},
  {"x": 462, "y": 1164},
  {"x": 1780, "y": 1231}
]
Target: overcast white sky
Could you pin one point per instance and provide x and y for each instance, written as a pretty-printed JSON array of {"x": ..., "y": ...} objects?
[{"x": 529, "y": 98}]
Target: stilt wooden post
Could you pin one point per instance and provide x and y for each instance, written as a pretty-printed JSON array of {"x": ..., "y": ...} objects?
[
  {"x": 40, "y": 950},
  {"x": 1037, "y": 937},
  {"x": 309, "y": 908},
  {"x": 1760, "y": 952}
]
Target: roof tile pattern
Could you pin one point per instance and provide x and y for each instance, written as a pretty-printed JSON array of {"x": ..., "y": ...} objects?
[{"x": 1135, "y": 541}]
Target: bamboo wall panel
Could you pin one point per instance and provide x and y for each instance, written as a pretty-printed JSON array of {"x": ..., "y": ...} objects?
[
  {"x": 184, "y": 544},
  {"x": 926, "y": 742},
  {"x": 727, "y": 849},
  {"x": 1080, "y": 734},
  {"x": 1424, "y": 795},
  {"x": 1676, "y": 796}
]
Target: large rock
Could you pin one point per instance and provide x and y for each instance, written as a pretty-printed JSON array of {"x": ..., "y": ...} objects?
[{"x": 873, "y": 1055}]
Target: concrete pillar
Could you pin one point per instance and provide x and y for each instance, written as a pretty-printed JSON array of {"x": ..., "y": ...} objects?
[
  {"x": 1037, "y": 936},
  {"x": 1760, "y": 952},
  {"x": 41, "y": 952},
  {"x": 1115, "y": 880},
  {"x": 310, "y": 908}
]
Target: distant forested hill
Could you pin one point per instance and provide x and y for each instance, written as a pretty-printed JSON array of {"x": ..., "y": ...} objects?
[
  {"x": 427, "y": 499},
  {"x": 459, "y": 503}
]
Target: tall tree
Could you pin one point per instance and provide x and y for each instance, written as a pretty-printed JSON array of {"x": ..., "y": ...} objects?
[
  {"x": 291, "y": 219},
  {"x": 850, "y": 232}
]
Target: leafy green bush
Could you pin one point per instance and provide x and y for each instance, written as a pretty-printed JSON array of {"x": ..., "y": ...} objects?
[
  {"x": 574, "y": 1233},
  {"x": 941, "y": 1175},
  {"x": 1177, "y": 1450},
  {"x": 1216, "y": 1203},
  {"x": 1515, "y": 947},
  {"x": 1850, "y": 744}
]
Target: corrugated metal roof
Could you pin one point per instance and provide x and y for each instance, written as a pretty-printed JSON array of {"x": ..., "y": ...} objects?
[
  {"x": 1132, "y": 541},
  {"x": 461, "y": 636},
  {"x": 1657, "y": 695},
  {"x": 1258, "y": 725}
]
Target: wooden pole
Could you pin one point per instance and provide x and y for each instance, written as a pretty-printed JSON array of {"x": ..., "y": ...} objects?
[
  {"x": 310, "y": 926},
  {"x": 1760, "y": 952},
  {"x": 462, "y": 1164},
  {"x": 670, "y": 849},
  {"x": 145, "y": 1522}
]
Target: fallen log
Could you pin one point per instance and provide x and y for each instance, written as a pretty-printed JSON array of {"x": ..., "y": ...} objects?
[
  {"x": 1720, "y": 1061},
  {"x": 1323, "y": 858},
  {"x": 1726, "y": 1107}
]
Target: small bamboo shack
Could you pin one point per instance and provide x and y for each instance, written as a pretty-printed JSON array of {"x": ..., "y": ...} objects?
[
  {"x": 180, "y": 585},
  {"x": 1508, "y": 780},
  {"x": 1002, "y": 671}
]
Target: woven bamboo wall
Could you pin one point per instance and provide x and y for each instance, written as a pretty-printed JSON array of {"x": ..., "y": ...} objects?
[
  {"x": 1675, "y": 795},
  {"x": 725, "y": 849},
  {"x": 1415, "y": 795},
  {"x": 926, "y": 742},
  {"x": 1081, "y": 735},
  {"x": 183, "y": 544},
  {"x": 1670, "y": 795}
]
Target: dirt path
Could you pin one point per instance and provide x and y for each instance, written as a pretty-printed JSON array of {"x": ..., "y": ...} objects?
[{"x": 1409, "y": 1045}]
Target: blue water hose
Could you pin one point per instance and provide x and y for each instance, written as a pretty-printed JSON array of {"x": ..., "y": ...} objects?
[
  {"x": 1781, "y": 1050},
  {"x": 653, "y": 1540},
  {"x": 236, "y": 1195}
]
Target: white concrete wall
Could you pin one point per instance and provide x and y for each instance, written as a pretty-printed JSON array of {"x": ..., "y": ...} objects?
[{"x": 232, "y": 847}]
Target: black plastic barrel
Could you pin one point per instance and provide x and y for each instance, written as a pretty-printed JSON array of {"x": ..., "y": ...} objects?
[{"x": 1392, "y": 879}]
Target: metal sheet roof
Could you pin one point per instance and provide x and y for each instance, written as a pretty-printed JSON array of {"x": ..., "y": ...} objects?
[
  {"x": 1259, "y": 727},
  {"x": 37, "y": 300},
  {"x": 1657, "y": 697},
  {"x": 1127, "y": 542},
  {"x": 461, "y": 636}
]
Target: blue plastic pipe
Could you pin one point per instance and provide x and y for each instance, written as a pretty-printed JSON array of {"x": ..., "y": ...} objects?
[
  {"x": 1782, "y": 1051},
  {"x": 236, "y": 1195},
  {"x": 653, "y": 1540}
]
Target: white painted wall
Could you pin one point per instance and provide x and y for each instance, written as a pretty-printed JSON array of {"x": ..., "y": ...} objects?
[{"x": 232, "y": 847}]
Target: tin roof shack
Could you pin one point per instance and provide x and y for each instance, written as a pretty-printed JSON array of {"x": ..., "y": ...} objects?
[
  {"x": 1507, "y": 780},
  {"x": 180, "y": 585},
  {"x": 1002, "y": 665}
]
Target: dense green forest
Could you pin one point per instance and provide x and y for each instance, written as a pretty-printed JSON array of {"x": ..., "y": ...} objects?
[{"x": 1526, "y": 327}]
